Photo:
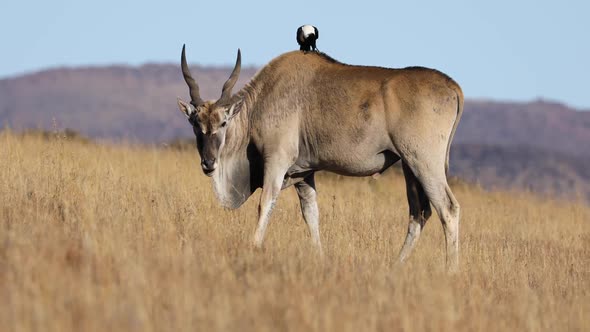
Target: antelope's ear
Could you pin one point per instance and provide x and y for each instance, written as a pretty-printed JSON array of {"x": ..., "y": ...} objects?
[
  {"x": 185, "y": 108},
  {"x": 234, "y": 109}
]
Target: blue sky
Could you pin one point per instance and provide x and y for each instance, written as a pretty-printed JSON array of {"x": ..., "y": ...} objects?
[{"x": 507, "y": 50}]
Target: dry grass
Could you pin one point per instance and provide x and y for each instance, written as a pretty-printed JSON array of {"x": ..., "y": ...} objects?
[{"x": 99, "y": 238}]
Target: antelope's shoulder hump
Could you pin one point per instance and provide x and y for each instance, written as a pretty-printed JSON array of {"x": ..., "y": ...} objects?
[{"x": 299, "y": 58}]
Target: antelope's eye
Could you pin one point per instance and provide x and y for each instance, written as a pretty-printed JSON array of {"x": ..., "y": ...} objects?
[
  {"x": 193, "y": 120},
  {"x": 224, "y": 123}
]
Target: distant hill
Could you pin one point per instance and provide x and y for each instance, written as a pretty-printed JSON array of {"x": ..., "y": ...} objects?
[
  {"x": 541, "y": 145},
  {"x": 537, "y": 170},
  {"x": 115, "y": 102},
  {"x": 540, "y": 124}
]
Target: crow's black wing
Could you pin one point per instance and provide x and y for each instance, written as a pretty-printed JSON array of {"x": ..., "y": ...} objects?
[{"x": 299, "y": 37}]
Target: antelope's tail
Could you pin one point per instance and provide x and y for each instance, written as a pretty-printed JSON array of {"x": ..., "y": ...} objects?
[{"x": 460, "y": 103}]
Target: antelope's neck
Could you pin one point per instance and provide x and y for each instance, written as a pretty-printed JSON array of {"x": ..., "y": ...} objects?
[{"x": 233, "y": 181}]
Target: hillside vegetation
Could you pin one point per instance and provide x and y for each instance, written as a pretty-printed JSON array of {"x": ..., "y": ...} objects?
[{"x": 121, "y": 238}]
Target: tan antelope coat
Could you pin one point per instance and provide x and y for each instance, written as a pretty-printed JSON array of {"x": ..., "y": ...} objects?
[{"x": 304, "y": 112}]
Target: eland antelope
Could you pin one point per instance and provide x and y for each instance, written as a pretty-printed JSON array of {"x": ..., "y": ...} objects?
[{"x": 306, "y": 112}]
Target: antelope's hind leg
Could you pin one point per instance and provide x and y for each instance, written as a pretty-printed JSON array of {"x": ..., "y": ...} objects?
[
  {"x": 419, "y": 212},
  {"x": 433, "y": 178}
]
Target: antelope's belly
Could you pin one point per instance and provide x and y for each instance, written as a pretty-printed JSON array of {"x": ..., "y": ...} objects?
[{"x": 352, "y": 164}]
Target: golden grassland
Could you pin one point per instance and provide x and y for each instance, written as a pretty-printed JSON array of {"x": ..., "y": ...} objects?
[{"x": 121, "y": 238}]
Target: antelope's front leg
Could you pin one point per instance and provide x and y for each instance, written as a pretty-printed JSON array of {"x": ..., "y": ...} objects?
[
  {"x": 309, "y": 208},
  {"x": 273, "y": 181}
]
